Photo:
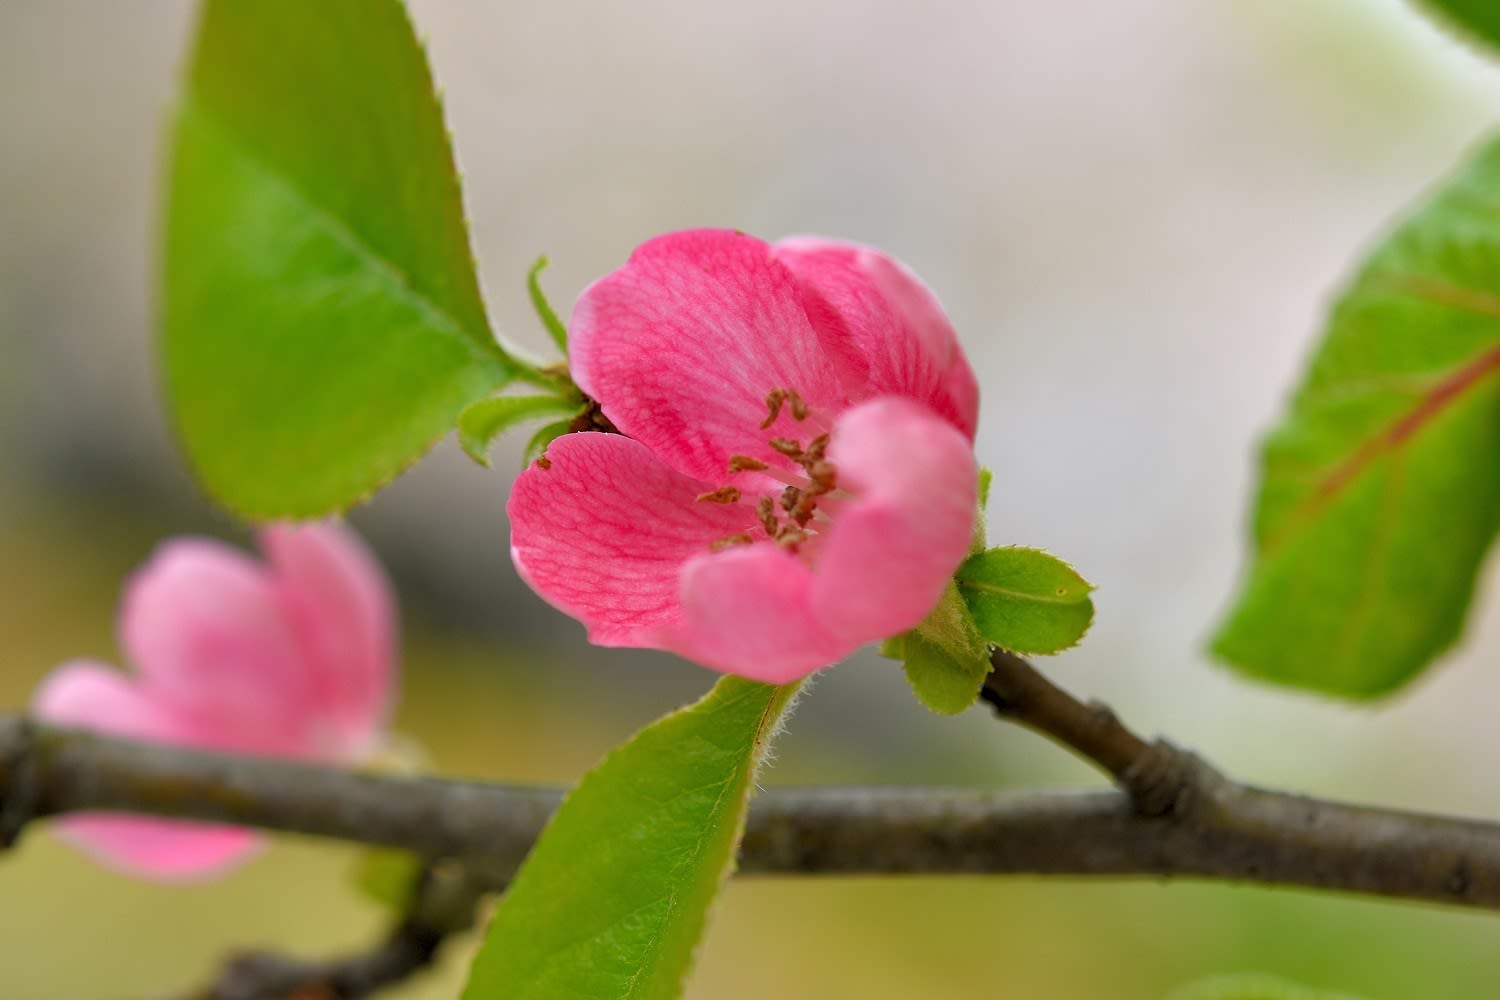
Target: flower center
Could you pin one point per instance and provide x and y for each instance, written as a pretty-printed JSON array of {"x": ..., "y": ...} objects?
[{"x": 789, "y": 517}]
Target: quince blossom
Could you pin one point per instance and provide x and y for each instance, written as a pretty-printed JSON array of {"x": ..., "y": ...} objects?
[
  {"x": 292, "y": 657},
  {"x": 793, "y": 475}
]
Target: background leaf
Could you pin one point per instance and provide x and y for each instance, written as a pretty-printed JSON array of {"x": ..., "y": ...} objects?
[
  {"x": 322, "y": 322},
  {"x": 613, "y": 898},
  {"x": 1477, "y": 18},
  {"x": 1252, "y": 986},
  {"x": 1380, "y": 489},
  {"x": 1026, "y": 600}
]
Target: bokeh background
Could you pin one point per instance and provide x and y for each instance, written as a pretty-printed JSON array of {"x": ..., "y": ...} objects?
[{"x": 1136, "y": 212}]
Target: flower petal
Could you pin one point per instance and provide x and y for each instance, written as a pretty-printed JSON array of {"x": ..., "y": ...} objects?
[
  {"x": 747, "y": 611},
  {"x": 92, "y": 696},
  {"x": 890, "y": 551},
  {"x": 602, "y": 529},
  {"x": 682, "y": 344},
  {"x": 893, "y": 320},
  {"x": 207, "y": 628},
  {"x": 341, "y": 605},
  {"x": 160, "y": 849}
]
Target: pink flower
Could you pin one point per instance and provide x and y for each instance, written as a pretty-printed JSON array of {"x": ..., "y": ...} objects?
[
  {"x": 794, "y": 475},
  {"x": 292, "y": 657}
]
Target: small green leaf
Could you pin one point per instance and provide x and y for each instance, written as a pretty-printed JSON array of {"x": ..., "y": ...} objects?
[
  {"x": 945, "y": 659},
  {"x": 1026, "y": 600},
  {"x": 544, "y": 310},
  {"x": 483, "y": 420},
  {"x": 986, "y": 477},
  {"x": 1478, "y": 19},
  {"x": 1252, "y": 987},
  {"x": 388, "y": 876},
  {"x": 1380, "y": 491},
  {"x": 322, "y": 323},
  {"x": 613, "y": 898},
  {"x": 545, "y": 436}
]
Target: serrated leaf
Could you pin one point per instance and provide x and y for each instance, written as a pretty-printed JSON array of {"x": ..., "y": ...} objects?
[
  {"x": 545, "y": 436},
  {"x": 944, "y": 683},
  {"x": 481, "y": 421},
  {"x": 1477, "y": 19},
  {"x": 613, "y": 898},
  {"x": 945, "y": 659},
  {"x": 1252, "y": 986},
  {"x": 1026, "y": 600},
  {"x": 322, "y": 321},
  {"x": 1380, "y": 489},
  {"x": 543, "y": 308}
]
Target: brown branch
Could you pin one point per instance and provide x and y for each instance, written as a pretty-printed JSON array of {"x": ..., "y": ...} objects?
[
  {"x": 442, "y": 904},
  {"x": 1155, "y": 775},
  {"x": 1216, "y": 828}
]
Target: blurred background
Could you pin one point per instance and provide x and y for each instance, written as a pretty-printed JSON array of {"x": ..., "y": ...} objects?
[{"x": 1136, "y": 212}]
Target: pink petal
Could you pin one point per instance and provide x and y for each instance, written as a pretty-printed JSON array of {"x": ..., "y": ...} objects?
[
  {"x": 160, "y": 849},
  {"x": 341, "y": 606},
  {"x": 893, "y": 320},
  {"x": 602, "y": 534},
  {"x": 748, "y": 612},
  {"x": 682, "y": 344},
  {"x": 891, "y": 551},
  {"x": 208, "y": 629},
  {"x": 92, "y": 696}
]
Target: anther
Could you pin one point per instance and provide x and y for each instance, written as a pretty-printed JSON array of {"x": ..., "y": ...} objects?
[
  {"x": 730, "y": 542},
  {"x": 774, "y": 399},
  {"x": 817, "y": 447},
  {"x": 786, "y": 446},
  {"x": 724, "y": 494},
  {"x": 766, "y": 510},
  {"x": 744, "y": 463},
  {"x": 799, "y": 405},
  {"x": 790, "y": 497}
]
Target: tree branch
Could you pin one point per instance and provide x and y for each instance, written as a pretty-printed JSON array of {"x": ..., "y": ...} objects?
[{"x": 1216, "y": 828}]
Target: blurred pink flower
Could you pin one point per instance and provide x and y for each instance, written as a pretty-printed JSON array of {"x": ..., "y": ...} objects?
[
  {"x": 794, "y": 475},
  {"x": 292, "y": 657}
]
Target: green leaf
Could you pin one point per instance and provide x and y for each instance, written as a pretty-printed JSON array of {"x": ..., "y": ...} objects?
[
  {"x": 1252, "y": 987},
  {"x": 945, "y": 659},
  {"x": 1380, "y": 491},
  {"x": 482, "y": 421},
  {"x": 322, "y": 320},
  {"x": 545, "y": 436},
  {"x": 613, "y": 898},
  {"x": 544, "y": 310},
  {"x": 1479, "y": 19},
  {"x": 1026, "y": 600}
]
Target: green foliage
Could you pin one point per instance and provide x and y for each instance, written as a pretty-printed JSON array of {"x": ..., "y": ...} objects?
[
  {"x": 322, "y": 320},
  {"x": 1025, "y": 599},
  {"x": 1480, "y": 19},
  {"x": 944, "y": 658},
  {"x": 1252, "y": 987},
  {"x": 1380, "y": 489},
  {"x": 482, "y": 421},
  {"x": 387, "y": 876},
  {"x": 544, "y": 436},
  {"x": 544, "y": 310},
  {"x": 613, "y": 898}
]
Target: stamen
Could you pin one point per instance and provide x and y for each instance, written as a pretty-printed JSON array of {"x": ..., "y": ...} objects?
[
  {"x": 786, "y": 446},
  {"x": 730, "y": 542},
  {"x": 790, "y": 497},
  {"x": 766, "y": 510},
  {"x": 724, "y": 494},
  {"x": 789, "y": 537},
  {"x": 744, "y": 463},
  {"x": 774, "y": 399},
  {"x": 817, "y": 447},
  {"x": 799, "y": 405}
]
